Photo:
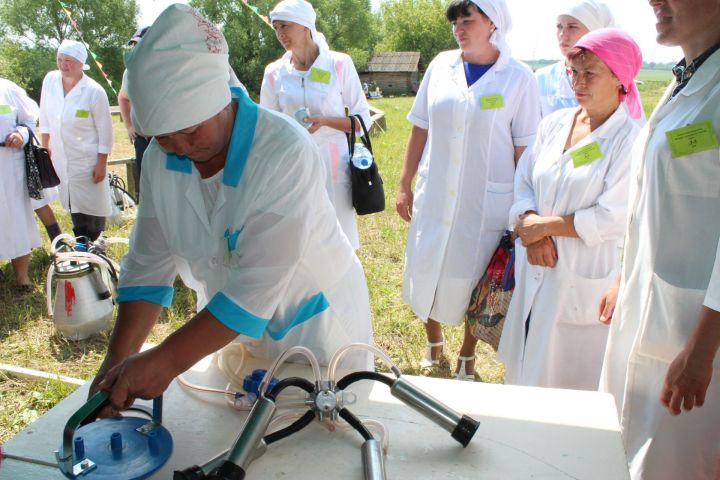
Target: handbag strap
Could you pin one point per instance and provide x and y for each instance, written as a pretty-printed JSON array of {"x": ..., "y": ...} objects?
[
  {"x": 31, "y": 133},
  {"x": 366, "y": 136},
  {"x": 351, "y": 136}
]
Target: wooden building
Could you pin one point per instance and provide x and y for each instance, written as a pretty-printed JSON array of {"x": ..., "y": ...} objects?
[{"x": 393, "y": 72}]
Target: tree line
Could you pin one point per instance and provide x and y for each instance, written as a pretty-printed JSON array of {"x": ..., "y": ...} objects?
[{"x": 31, "y": 30}]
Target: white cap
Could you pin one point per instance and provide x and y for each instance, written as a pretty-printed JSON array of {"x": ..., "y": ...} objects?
[
  {"x": 178, "y": 75},
  {"x": 592, "y": 14},
  {"x": 296, "y": 11},
  {"x": 76, "y": 50},
  {"x": 497, "y": 11}
]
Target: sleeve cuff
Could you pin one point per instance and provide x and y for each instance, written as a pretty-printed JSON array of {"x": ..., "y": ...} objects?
[
  {"x": 235, "y": 317},
  {"x": 159, "y": 295},
  {"x": 523, "y": 141},
  {"x": 586, "y": 227},
  {"x": 518, "y": 209},
  {"x": 104, "y": 149},
  {"x": 418, "y": 122}
]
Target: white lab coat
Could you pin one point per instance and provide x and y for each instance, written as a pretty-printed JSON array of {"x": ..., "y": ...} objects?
[
  {"x": 286, "y": 90},
  {"x": 80, "y": 128},
  {"x": 554, "y": 88},
  {"x": 565, "y": 343},
  {"x": 671, "y": 268},
  {"x": 464, "y": 182},
  {"x": 18, "y": 230},
  {"x": 270, "y": 257}
]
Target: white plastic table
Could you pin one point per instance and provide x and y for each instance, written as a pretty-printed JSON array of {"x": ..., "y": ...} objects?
[{"x": 524, "y": 433}]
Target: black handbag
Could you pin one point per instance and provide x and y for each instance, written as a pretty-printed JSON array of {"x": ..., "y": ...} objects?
[
  {"x": 368, "y": 195},
  {"x": 37, "y": 155}
]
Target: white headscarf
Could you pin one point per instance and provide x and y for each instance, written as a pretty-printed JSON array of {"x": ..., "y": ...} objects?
[
  {"x": 498, "y": 13},
  {"x": 76, "y": 50},
  {"x": 177, "y": 77},
  {"x": 592, "y": 14},
  {"x": 302, "y": 13}
]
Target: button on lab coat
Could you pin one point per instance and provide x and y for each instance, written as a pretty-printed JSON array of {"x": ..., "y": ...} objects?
[
  {"x": 286, "y": 90},
  {"x": 565, "y": 344},
  {"x": 465, "y": 179},
  {"x": 80, "y": 128},
  {"x": 671, "y": 268},
  {"x": 270, "y": 256}
]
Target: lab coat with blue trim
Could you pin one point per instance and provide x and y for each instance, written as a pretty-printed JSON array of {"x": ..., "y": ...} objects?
[
  {"x": 671, "y": 269},
  {"x": 270, "y": 257},
  {"x": 564, "y": 328},
  {"x": 285, "y": 89},
  {"x": 464, "y": 186}
]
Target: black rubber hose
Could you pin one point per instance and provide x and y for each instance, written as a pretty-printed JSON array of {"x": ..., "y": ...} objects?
[
  {"x": 294, "y": 427},
  {"x": 356, "y": 424},
  {"x": 192, "y": 473},
  {"x": 290, "y": 382},
  {"x": 351, "y": 378}
]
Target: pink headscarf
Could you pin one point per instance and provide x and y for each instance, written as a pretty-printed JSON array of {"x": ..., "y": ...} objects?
[{"x": 622, "y": 56}]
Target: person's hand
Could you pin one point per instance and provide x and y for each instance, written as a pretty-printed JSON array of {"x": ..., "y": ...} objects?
[
  {"x": 106, "y": 366},
  {"x": 316, "y": 122},
  {"x": 404, "y": 203},
  {"x": 542, "y": 253},
  {"x": 99, "y": 172},
  {"x": 131, "y": 133},
  {"x": 531, "y": 228},
  {"x": 143, "y": 375},
  {"x": 687, "y": 381},
  {"x": 607, "y": 303},
  {"x": 14, "y": 140}
]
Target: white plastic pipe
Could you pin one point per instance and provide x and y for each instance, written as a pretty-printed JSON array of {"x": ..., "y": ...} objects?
[{"x": 38, "y": 375}]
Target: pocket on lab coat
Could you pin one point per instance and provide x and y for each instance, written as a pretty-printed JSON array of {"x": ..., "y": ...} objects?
[
  {"x": 580, "y": 296},
  {"x": 498, "y": 200},
  {"x": 670, "y": 316},
  {"x": 696, "y": 175}
]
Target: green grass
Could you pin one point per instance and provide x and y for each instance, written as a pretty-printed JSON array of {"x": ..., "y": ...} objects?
[{"x": 28, "y": 339}]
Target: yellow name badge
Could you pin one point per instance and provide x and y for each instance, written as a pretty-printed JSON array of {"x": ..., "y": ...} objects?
[
  {"x": 694, "y": 138},
  {"x": 319, "y": 75},
  {"x": 4, "y": 109},
  {"x": 491, "y": 102},
  {"x": 82, "y": 113},
  {"x": 588, "y": 153}
]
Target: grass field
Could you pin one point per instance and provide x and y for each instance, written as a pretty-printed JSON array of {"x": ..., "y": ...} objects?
[{"x": 27, "y": 337}]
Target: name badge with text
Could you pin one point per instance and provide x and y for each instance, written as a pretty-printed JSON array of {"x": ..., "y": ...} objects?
[
  {"x": 82, "y": 113},
  {"x": 491, "y": 102},
  {"x": 694, "y": 138},
  {"x": 5, "y": 109},
  {"x": 588, "y": 153}
]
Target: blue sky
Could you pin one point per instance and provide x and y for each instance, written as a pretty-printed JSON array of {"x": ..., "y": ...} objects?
[{"x": 533, "y": 34}]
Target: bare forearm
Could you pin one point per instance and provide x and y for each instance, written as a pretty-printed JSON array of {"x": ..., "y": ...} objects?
[
  {"x": 201, "y": 336},
  {"x": 413, "y": 153},
  {"x": 561, "y": 226},
  {"x": 132, "y": 327},
  {"x": 102, "y": 158},
  {"x": 45, "y": 139},
  {"x": 705, "y": 338},
  {"x": 124, "y": 104},
  {"x": 339, "y": 123}
]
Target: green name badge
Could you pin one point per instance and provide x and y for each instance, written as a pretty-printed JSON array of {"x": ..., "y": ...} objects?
[
  {"x": 491, "y": 102},
  {"x": 319, "y": 75},
  {"x": 4, "y": 109},
  {"x": 82, "y": 113},
  {"x": 694, "y": 138},
  {"x": 586, "y": 154}
]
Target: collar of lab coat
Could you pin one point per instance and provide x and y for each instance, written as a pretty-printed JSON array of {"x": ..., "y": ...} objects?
[
  {"x": 77, "y": 89},
  {"x": 324, "y": 61},
  {"x": 459, "y": 69},
  {"x": 704, "y": 74},
  {"x": 240, "y": 142},
  {"x": 606, "y": 130}
]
